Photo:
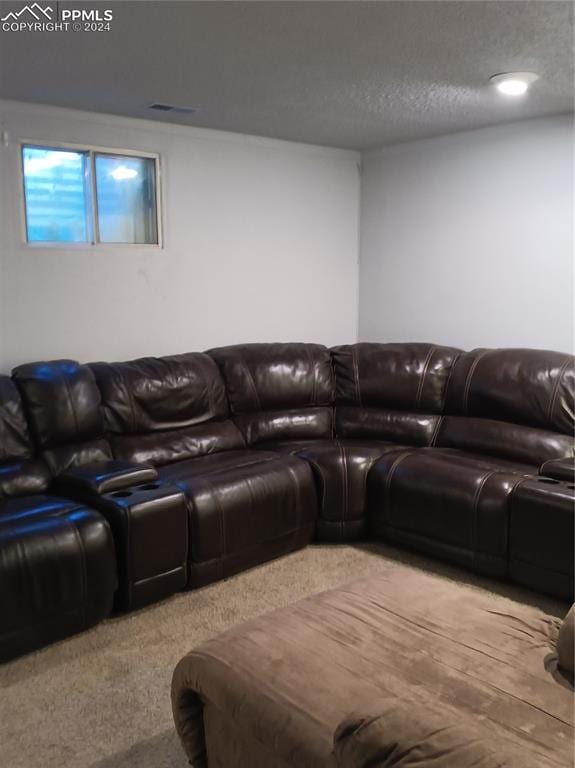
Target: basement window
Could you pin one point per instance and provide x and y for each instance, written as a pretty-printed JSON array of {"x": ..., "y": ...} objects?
[{"x": 89, "y": 196}]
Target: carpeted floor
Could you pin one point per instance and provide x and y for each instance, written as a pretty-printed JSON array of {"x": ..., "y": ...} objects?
[{"x": 102, "y": 699}]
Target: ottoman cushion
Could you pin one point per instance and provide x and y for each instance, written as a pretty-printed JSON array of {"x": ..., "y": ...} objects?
[{"x": 279, "y": 686}]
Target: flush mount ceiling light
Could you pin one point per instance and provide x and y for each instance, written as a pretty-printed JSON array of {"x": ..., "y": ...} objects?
[{"x": 513, "y": 83}]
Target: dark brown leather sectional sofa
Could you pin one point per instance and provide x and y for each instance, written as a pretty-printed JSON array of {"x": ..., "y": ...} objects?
[{"x": 123, "y": 483}]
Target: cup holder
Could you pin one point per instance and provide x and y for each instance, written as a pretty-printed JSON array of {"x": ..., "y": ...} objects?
[
  {"x": 548, "y": 480},
  {"x": 149, "y": 487},
  {"x": 121, "y": 494}
]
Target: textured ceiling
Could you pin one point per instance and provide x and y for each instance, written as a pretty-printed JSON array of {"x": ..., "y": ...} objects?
[{"x": 346, "y": 74}]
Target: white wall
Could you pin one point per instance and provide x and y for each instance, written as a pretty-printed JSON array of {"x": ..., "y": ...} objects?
[
  {"x": 261, "y": 244},
  {"x": 465, "y": 239},
  {"x": 468, "y": 239}
]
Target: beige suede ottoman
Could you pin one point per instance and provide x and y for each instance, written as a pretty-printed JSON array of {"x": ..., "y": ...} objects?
[{"x": 402, "y": 669}]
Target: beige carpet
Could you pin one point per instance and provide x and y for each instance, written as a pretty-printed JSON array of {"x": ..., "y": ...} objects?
[{"x": 102, "y": 699}]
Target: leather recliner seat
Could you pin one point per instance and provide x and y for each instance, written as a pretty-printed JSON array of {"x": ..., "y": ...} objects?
[
  {"x": 65, "y": 412},
  {"x": 57, "y": 559},
  {"x": 507, "y": 413},
  {"x": 282, "y": 398},
  {"x": 390, "y": 395},
  {"x": 244, "y": 506}
]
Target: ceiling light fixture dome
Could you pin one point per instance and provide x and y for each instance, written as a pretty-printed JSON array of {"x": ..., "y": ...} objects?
[{"x": 513, "y": 83}]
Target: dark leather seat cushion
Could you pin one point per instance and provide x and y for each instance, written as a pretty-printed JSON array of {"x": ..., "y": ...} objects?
[
  {"x": 340, "y": 469},
  {"x": 446, "y": 502},
  {"x": 481, "y": 460},
  {"x": 245, "y": 507},
  {"x": 57, "y": 571}
]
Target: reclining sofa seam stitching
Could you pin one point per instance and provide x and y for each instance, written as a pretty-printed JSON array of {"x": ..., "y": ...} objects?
[
  {"x": 298, "y": 499},
  {"x": 398, "y": 460},
  {"x": 253, "y": 383},
  {"x": 556, "y": 392},
  {"x": 345, "y": 488},
  {"x": 422, "y": 378},
  {"x": 356, "y": 372},
  {"x": 313, "y": 378},
  {"x": 476, "y": 499},
  {"x": 321, "y": 477},
  {"x": 82, "y": 550},
  {"x": 446, "y": 388},
  {"x": 221, "y": 517},
  {"x": 71, "y": 405},
  {"x": 129, "y": 394},
  {"x": 211, "y": 400},
  {"x": 436, "y": 431},
  {"x": 516, "y": 485},
  {"x": 468, "y": 381}
]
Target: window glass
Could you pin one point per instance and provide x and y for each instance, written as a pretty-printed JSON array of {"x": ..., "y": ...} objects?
[
  {"x": 55, "y": 194},
  {"x": 126, "y": 199}
]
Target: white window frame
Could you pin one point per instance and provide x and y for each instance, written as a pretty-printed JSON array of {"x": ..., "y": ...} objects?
[{"x": 91, "y": 150}]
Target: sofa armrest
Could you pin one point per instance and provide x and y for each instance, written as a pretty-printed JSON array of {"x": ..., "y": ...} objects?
[
  {"x": 559, "y": 469},
  {"x": 149, "y": 522},
  {"x": 94, "y": 480}
]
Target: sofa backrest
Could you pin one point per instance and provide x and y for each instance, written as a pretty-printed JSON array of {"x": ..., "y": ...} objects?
[
  {"x": 278, "y": 391},
  {"x": 514, "y": 403},
  {"x": 20, "y": 472},
  {"x": 62, "y": 402},
  {"x": 165, "y": 409},
  {"x": 392, "y": 392}
]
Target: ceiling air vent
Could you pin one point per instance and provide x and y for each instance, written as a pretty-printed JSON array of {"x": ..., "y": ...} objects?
[{"x": 172, "y": 108}]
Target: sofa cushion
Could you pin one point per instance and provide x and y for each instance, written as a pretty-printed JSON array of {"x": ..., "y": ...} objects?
[
  {"x": 181, "y": 471},
  {"x": 15, "y": 442},
  {"x": 340, "y": 469},
  {"x": 166, "y": 409},
  {"x": 245, "y": 507},
  {"x": 278, "y": 391},
  {"x": 63, "y": 405},
  {"x": 446, "y": 503},
  {"x": 505, "y": 440},
  {"x": 513, "y": 403},
  {"x": 160, "y": 448},
  {"x": 391, "y": 392},
  {"x": 19, "y": 478},
  {"x": 559, "y": 469},
  {"x": 20, "y": 473},
  {"x": 483, "y": 460}
]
